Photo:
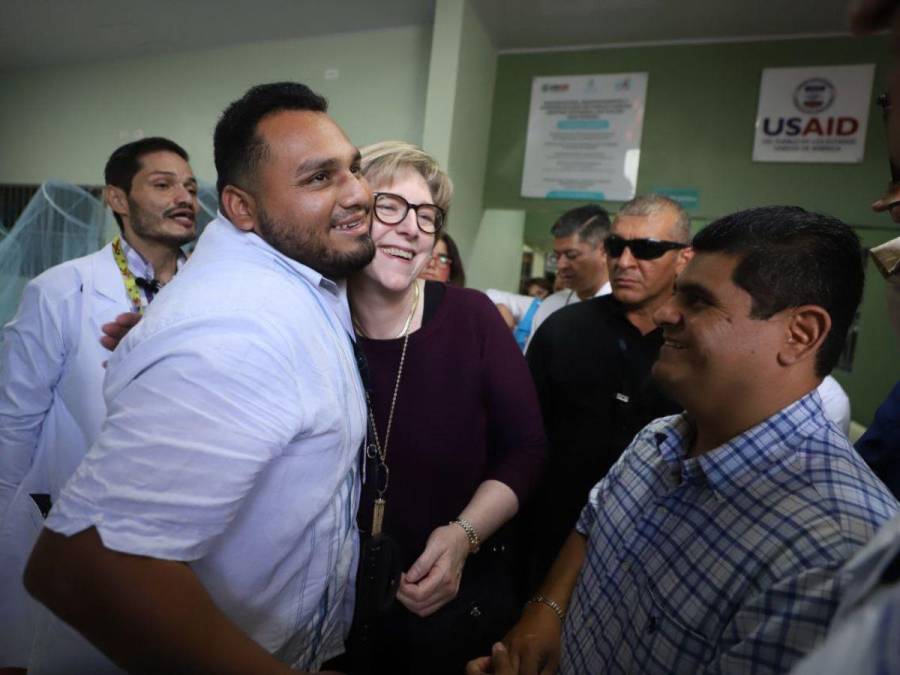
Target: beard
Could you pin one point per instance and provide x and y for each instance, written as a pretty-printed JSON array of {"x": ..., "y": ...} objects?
[
  {"x": 148, "y": 226},
  {"x": 311, "y": 248}
]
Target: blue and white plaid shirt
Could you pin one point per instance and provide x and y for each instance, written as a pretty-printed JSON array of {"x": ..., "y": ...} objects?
[{"x": 728, "y": 562}]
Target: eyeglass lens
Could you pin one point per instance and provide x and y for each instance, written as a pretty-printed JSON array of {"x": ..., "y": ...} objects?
[{"x": 391, "y": 209}]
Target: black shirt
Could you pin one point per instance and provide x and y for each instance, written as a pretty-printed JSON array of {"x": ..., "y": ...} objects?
[{"x": 592, "y": 371}]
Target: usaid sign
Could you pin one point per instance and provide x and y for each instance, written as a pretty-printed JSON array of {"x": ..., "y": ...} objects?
[{"x": 813, "y": 114}]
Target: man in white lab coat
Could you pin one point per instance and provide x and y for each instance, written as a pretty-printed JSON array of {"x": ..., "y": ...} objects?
[{"x": 52, "y": 362}]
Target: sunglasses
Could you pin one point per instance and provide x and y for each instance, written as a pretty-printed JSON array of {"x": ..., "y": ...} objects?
[{"x": 642, "y": 249}]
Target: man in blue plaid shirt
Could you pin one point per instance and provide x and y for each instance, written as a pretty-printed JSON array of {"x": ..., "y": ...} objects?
[{"x": 716, "y": 543}]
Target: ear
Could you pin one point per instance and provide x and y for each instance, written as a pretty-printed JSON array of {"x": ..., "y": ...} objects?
[
  {"x": 806, "y": 328},
  {"x": 239, "y": 206},
  {"x": 684, "y": 257},
  {"x": 117, "y": 199}
]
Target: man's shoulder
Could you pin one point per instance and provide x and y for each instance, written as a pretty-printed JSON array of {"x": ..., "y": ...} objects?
[
  {"x": 595, "y": 312},
  {"x": 839, "y": 473},
  {"x": 64, "y": 284},
  {"x": 71, "y": 273},
  {"x": 824, "y": 486}
]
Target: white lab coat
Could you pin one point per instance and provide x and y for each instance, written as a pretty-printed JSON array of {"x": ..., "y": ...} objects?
[{"x": 51, "y": 411}]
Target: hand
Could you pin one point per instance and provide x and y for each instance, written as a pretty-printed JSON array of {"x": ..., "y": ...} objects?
[
  {"x": 433, "y": 580},
  {"x": 497, "y": 663},
  {"x": 531, "y": 647},
  {"x": 115, "y": 331}
]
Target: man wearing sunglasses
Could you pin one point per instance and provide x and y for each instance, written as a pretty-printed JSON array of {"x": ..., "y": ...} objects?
[{"x": 591, "y": 364}]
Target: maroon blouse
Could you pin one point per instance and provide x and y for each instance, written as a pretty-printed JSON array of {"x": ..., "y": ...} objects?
[{"x": 466, "y": 412}]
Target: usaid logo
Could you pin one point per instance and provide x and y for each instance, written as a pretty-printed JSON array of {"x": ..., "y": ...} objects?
[{"x": 814, "y": 96}]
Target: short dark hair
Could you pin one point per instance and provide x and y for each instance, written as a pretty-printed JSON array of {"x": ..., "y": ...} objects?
[
  {"x": 457, "y": 273},
  {"x": 791, "y": 257},
  {"x": 125, "y": 162},
  {"x": 644, "y": 206},
  {"x": 590, "y": 222},
  {"x": 237, "y": 146},
  {"x": 541, "y": 282}
]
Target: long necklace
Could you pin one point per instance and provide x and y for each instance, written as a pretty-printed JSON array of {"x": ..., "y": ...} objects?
[
  {"x": 130, "y": 283},
  {"x": 381, "y": 450}
]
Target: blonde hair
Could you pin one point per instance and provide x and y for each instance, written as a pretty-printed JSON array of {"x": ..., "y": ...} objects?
[{"x": 382, "y": 161}]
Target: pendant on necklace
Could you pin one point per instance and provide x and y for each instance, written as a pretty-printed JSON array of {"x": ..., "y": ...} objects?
[{"x": 377, "y": 516}]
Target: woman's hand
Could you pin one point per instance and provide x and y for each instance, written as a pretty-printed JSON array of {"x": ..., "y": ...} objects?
[{"x": 433, "y": 579}]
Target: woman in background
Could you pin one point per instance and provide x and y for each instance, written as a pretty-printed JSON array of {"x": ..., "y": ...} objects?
[{"x": 445, "y": 264}]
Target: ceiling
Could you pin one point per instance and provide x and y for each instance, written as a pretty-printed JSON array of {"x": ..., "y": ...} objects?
[{"x": 36, "y": 33}]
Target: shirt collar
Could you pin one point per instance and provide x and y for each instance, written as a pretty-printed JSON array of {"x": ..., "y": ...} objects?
[
  {"x": 140, "y": 266},
  {"x": 738, "y": 462},
  {"x": 335, "y": 291}
]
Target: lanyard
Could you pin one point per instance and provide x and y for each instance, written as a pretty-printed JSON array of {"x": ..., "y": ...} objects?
[{"x": 130, "y": 284}]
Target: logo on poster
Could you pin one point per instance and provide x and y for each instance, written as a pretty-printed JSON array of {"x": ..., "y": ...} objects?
[{"x": 812, "y": 97}]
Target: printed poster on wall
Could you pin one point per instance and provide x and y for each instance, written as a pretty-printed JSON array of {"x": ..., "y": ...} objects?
[
  {"x": 813, "y": 114},
  {"x": 584, "y": 137}
]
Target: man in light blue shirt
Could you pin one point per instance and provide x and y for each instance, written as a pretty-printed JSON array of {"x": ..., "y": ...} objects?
[
  {"x": 211, "y": 528},
  {"x": 717, "y": 542}
]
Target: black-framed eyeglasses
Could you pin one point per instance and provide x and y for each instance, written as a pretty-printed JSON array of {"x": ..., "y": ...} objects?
[
  {"x": 642, "y": 249},
  {"x": 391, "y": 209}
]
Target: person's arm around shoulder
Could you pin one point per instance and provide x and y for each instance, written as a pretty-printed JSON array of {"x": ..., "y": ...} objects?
[{"x": 533, "y": 645}]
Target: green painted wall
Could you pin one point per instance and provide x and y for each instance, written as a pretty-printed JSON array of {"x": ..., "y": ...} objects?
[
  {"x": 494, "y": 262},
  {"x": 698, "y": 133},
  {"x": 458, "y": 114},
  {"x": 63, "y": 122}
]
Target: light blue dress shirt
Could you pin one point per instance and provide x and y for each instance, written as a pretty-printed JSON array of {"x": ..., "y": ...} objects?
[{"x": 235, "y": 419}]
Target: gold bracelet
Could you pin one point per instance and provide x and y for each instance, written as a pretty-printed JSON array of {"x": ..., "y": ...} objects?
[
  {"x": 471, "y": 534},
  {"x": 552, "y": 604}
]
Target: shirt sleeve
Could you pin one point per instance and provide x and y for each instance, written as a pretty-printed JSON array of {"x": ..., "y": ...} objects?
[
  {"x": 517, "y": 304},
  {"x": 32, "y": 354},
  {"x": 516, "y": 434},
  {"x": 777, "y": 626},
  {"x": 866, "y": 644},
  {"x": 195, "y": 413}
]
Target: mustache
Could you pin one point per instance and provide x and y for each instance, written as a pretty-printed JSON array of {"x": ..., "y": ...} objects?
[
  {"x": 181, "y": 208},
  {"x": 365, "y": 210}
]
